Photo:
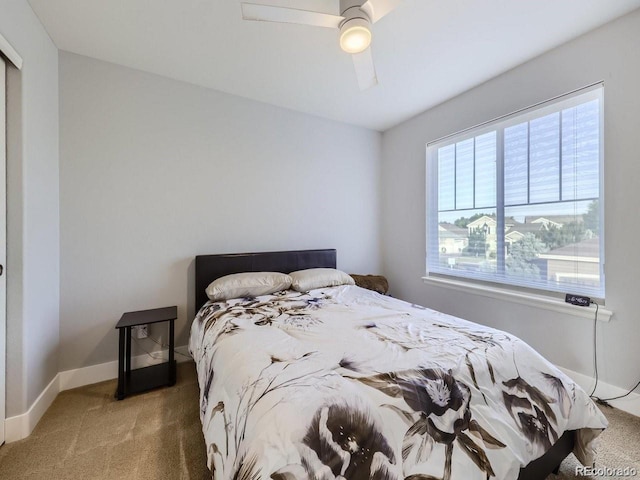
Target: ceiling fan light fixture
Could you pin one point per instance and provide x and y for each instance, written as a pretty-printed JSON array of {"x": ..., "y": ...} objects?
[{"x": 355, "y": 35}]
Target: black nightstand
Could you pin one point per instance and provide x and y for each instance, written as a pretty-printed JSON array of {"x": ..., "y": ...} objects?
[{"x": 142, "y": 379}]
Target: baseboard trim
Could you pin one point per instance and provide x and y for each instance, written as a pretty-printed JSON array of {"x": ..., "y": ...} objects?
[
  {"x": 21, "y": 426},
  {"x": 629, "y": 404},
  {"x": 107, "y": 371}
]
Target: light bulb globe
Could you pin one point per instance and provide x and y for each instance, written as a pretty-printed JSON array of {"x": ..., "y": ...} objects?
[{"x": 355, "y": 36}]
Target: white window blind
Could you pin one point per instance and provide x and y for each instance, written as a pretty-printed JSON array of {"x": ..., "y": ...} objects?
[{"x": 518, "y": 200}]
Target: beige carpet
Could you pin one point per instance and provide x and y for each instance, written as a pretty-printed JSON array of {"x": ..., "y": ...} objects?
[{"x": 88, "y": 435}]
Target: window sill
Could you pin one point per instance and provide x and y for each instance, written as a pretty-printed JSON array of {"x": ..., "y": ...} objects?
[{"x": 532, "y": 300}]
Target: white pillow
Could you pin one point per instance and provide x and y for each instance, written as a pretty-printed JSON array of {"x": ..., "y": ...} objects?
[
  {"x": 248, "y": 284},
  {"x": 305, "y": 280}
]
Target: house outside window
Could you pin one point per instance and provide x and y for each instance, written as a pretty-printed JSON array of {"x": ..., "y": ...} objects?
[{"x": 518, "y": 200}]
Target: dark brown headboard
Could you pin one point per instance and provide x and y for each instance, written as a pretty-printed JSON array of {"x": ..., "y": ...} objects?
[{"x": 210, "y": 267}]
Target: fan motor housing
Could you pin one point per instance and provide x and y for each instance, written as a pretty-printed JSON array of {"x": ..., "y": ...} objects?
[{"x": 351, "y": 10}]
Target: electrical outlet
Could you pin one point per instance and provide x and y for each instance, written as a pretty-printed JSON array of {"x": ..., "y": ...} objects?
[
  {"x": 579, "y": 300},
  {"x": 141, "y": 331}
]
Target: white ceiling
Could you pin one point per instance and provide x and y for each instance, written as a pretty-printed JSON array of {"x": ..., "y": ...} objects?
[{"x": 425, "y": 51}]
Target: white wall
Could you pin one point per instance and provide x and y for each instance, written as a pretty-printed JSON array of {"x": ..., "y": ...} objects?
[
  {"x": 611, "y": 54},
  {"x": 33, "y": 274},
  {"x": 155, "y": 171}
]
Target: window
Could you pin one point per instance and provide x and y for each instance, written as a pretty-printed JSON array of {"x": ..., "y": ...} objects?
[{"x": 518, "y": 200}]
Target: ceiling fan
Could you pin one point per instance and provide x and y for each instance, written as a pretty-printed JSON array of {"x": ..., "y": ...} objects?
[{"x": 354, "y": 23}]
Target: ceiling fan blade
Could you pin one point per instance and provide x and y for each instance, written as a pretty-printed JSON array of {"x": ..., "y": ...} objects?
[
  {"x": 365, "y": 69},
  {"x": 376, "y": 9},
  {"x": 270, "y": 13}
]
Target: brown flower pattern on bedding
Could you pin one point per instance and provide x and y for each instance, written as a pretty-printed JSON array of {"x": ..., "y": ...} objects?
[{"x": 346, "y": 384}]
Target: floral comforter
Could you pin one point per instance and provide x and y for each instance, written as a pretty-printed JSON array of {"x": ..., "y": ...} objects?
[{"x": 345, "y": 383}]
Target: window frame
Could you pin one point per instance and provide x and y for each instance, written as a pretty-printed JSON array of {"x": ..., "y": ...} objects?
[{"x": 499, "y": 125}]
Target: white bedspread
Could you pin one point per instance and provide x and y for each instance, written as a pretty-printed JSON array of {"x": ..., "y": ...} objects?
[{"x": 345, "y": 383}]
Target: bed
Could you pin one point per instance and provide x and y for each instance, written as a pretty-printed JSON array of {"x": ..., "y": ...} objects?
[{"x": 341, "y": 382}]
